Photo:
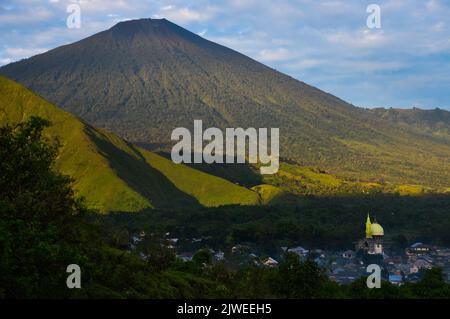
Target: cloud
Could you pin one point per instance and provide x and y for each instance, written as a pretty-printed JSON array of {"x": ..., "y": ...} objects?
[
  {"x": 279, "y": 54},
  {"x": 324, "y": 43},
  {"x": 362, "y": 38},
  {"x": 203, "y": 32},
  {"x": 20, "y": 53},
  {"x": 185, "y": 14},
  {"x": 27, "y": 15}
]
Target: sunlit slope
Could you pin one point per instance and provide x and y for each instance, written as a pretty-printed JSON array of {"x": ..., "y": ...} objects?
[
  {"x": 111, "y": 174},
  {"x": 208, "y": 189},
  {"x": 300, "y": 180}
]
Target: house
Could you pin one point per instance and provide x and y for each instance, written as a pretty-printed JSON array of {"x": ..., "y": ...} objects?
[
  {"x": 394, "y": 260},
  {"x": 395, "y": 279},
  {"x": 270, "y": 262},
  {"x": 419, "y": 264},
  {"x": 186, "y": 256},
  {"x": 135, "y": 239},
  {"x": 172, "y": 241},
  {"x": 239, "y": 249},
  {"x": 415, "y": 277},
  {"x": 345, "y": 276},
  {"x": 413, "y": 269},
  {"x": 348, "y": 254},
  {"x": 427, "y": 258},
  {"x": 143, "y": 256},
  {"x": 320, "y": 261},
  {"x": 418, "y": 249},
  {"x": 299, "y": 251},
  {"x": 338, "y": 270},
  {"x": 220, "y": 255}
]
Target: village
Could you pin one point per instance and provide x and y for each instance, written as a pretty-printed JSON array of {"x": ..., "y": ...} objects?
[{"x": 342, "y": 266}]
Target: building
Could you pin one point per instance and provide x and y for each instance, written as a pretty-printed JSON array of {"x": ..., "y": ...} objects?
[
  {"x": 418, "y": 249},
  {"x": 420, "y": 264},
  {"x": 220, "y": 255},
  {"x": 299, "y": 251},
  {"x": 186, "y": 256},
  {"x": 372, "y": 244},
  {"x": 270, "y": 262},
  {"x": 371, "y": 248},
  {"x": 395, "y": 279},
  {"x": 349, "y": 254}
]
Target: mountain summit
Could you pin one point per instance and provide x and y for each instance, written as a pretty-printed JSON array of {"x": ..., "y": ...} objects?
[{"x": 143, "y": 78}]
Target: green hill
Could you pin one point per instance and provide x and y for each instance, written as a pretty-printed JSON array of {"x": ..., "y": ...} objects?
[
  {"x": 142, "y": 78},
  {"x": 110, "y": 173}
]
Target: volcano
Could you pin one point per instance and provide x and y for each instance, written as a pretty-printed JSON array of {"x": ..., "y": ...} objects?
[{"x": 143, "y": 78}]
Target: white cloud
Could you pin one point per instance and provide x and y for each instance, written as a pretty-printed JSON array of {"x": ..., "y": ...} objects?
[
  {"x": 27, "y": 16},
  {"x": 325, "y": 43},
  {"x": 304, "y": 64},
  {"x": 185, "y": 14},
  {"x": 4, "y": 61},
  {"x": 279, "y": 54},
  {"x": 21, "y": 53},
  {"x": 362, "y": 38},
  {"x": 203, "y": 32}
]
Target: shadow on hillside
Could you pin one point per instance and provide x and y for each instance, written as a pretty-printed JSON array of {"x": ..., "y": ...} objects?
[
  {"x": 141, "y": 177},
  {"x": 243, "y": 174}
]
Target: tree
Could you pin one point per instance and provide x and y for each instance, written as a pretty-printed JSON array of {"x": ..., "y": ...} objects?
[
  {"x": 300, "y": 279},
  {"x": 432, "y": 285},
  {"x": 40, "y": 224},
  {"x": 43, "y": 229},
  {"x": 202, "y": 257}
]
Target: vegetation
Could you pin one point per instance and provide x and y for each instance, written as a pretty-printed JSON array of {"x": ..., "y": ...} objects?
[
  {"x": 434, "y": 122},
  {"x": 44, "y": 228},
  {"x": 333, "y": 222},
  {"x": 304, "y": 181},
  {"x": 112, "y": 174}
]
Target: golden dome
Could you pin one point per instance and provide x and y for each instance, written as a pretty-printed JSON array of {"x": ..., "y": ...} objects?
[{"x": 376, "y": 229}]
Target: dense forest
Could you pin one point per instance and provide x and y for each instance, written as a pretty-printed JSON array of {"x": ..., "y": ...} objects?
[{"x": 44, "y": 228}]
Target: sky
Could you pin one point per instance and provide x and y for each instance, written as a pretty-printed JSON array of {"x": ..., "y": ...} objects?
[{"x": 328, "y": 44}]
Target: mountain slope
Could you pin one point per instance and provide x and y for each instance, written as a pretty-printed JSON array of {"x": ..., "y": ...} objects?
[
  {"x": 143, "y": 78},
  {"x": 434, "y": 122},
  {"x": 112, "y": 174}
]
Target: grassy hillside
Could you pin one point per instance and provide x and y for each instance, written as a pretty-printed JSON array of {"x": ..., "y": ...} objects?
[
  {"x": 301, "y": 180},
  {"x": 110, "y": 173},
  {"x": 142, "y": 78}
]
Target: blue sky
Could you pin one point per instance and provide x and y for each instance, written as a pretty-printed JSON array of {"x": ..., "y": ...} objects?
[{"x": 327, "y": 44}]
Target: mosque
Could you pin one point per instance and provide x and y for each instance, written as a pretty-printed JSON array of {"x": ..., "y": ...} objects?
[{"x": 371, "y": 247}]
